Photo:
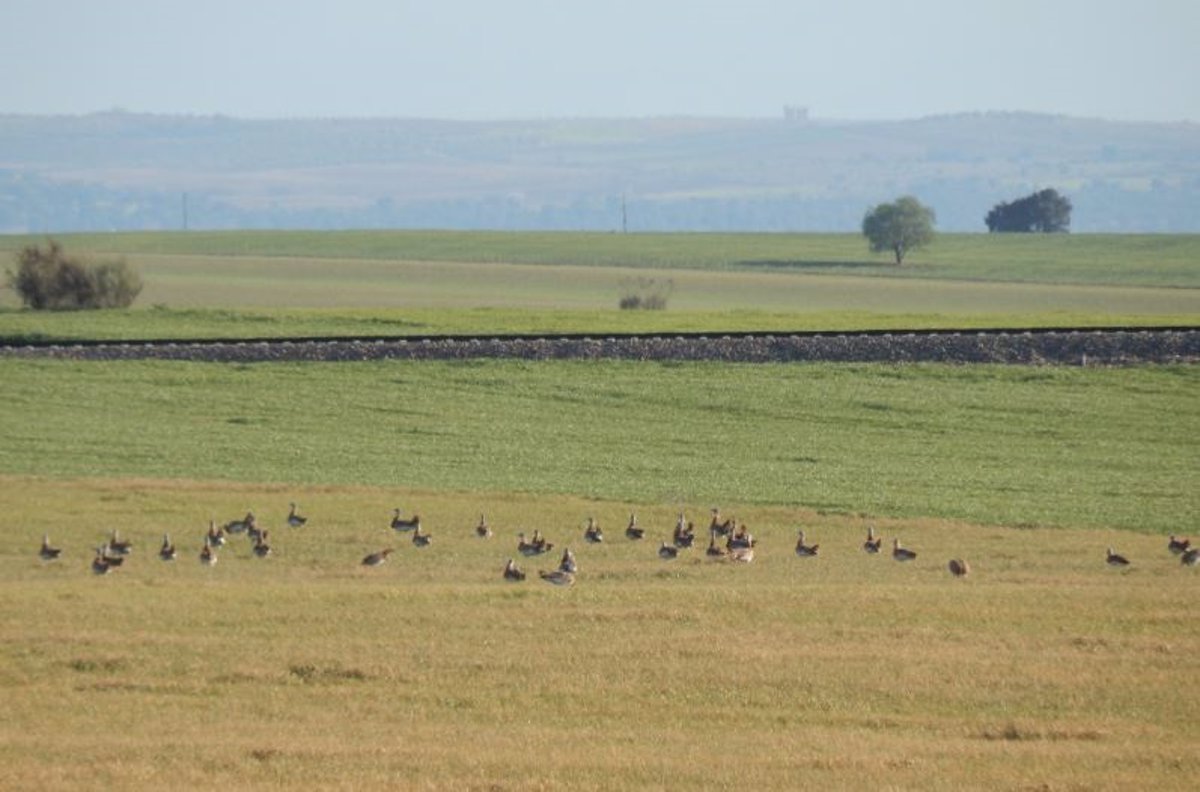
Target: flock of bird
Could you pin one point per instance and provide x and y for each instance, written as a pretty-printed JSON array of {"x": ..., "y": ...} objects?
[{"x": 728, "y": 541}]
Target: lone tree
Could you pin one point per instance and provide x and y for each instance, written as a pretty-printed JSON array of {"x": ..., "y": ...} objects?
[
  {"x": 900, "y": 226},
  {"x": 1044, "y": 211},
  {"x": 48, "y": 279}
]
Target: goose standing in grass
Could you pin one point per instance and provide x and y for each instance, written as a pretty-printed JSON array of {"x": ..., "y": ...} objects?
[
  {"x": 167, "y": 551},
  {"x": 513, "y": 572},
  {"x": 1116, "y": 559},
  {"x": 668, "y": 552},
  {"x": 540, "y": 542},
  {"x": 48, "y": 553},
  {"x": 805, "y": 550},
  {"x": 684, "y": 536},
  {"x": 721, "y": 528},
  {"x": 421, "y": 539},
  {"x": 1178, "y": 546},
  {"x": 261, "y": 548},
  {"x": 119, "y": 546},
  {"x": 593, "y": 533},
  {"x": 901, "y": 553},
  {"x": 633, "y": 530},
  {"x": 241, "y": 526},
  {"x": 215, "y": 536},
  {"x": 558, "y": 577},
  {"x": 401, "y": 524},
  {"x": 101, "y": 564},
  {"x": 208, "y": 554},
  {"x": 740, "y": 538},
  {"x": 873, "y": 544},
  {"x": 1190, "y": 557},
  {"x": 959, "y": 567},
  {"x": 526, "y": 548},
  {"x": 715, "y": 550},
  {"x": 294, "y": 519},
  {"x": 567, "y": 564},
  {"x": 375, "y": 559},
  {"x": 482, "y": 530}
]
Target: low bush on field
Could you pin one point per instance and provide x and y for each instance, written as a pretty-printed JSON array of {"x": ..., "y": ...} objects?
[
  {"x": 49, "y": 279},
  {"x": 648, "y": 294}
]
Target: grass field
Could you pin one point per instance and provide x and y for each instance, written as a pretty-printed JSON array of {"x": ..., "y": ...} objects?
[{"x": 1044, "y": 669}]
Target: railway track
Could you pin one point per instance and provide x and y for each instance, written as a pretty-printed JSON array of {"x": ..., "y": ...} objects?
[{"x": 1073, "y": 346}]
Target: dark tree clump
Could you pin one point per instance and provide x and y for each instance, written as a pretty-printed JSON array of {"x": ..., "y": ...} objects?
[
  {"x": 1045, "y": 211},
  {"x": 48, "y": 279}
]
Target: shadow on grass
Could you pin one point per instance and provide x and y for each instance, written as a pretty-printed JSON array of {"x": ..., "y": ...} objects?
[{"x": 809, "y": 264}]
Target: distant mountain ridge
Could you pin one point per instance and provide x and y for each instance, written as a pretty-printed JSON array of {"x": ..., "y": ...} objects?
[{"x": 126, "y": 171}]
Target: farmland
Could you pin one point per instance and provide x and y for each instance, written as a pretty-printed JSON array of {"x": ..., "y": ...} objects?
[{"x": 1044, "y": 668}]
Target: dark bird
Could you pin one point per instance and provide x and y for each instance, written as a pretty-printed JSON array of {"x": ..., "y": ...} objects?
[
  {"x": 901, "y": 553},
  {"x": 805, "y": 550},
  {"x": 567, "y": 564},
  {"x": 401, "y": 524},
  {"x": 1178, "y": 546},
  {"x": 1116, "y": 559},
  {"x": 119, "y": 546},
  {"x": 558, "y": 577},
  {"x": 294, "y": 519},
  {"x": 721, "y": 528},
  {"x": 512, "y": 571},
  {"x": 872, "y": 545},
  {"x": 668, "y": 552},
  {"x": 593, "y": 533},
  {"x": 101, "y": 564},
  {"x": 482, "y": 530},
  {"x": 215, "y": 536},
  {"x": 714, "y": 550},
  {"x": 48, "y": 553},
  {"x": 167, "y": 551},
  {"x": 633, "y": 530},
  {"x": 959, "y": 567},
  {"x": 421, "y": 539},
  {"x": 1190, "y": 557},
  {"x": 241, "y": 526},
  {"x": 261, "y": 548},
  {"x": 208, "y": 554},
  {"x": 375, "y": 559}
]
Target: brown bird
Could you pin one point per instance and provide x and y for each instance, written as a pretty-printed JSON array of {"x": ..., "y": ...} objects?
[
  {"x": 100, "y": 564},
  {"x": 375, "y": 559},
  {"x": 167, "y": 551},
  {"x": 1178, "y": 546},
  {"x": 216, "y": 536},
  {"x": 261, "y": 548},
  {"x": 208, "y": 555},
  {"x": 714, "y": 550},
  {"x": 667, "y": 552},
  {"x": 421, "y": 539},
  {"x": 567, "y": 564},
  {"x": 872, "y": 545},
  {"x": 901, "y": 553},
  {"x": 400, "y": 524},
  {"x": 1116, "y": 559},
  {"x": 48, "y": 553},
  {"x": 558, "y": 577},
  {"x": 805, "y": 550},
  {"x": 241, "y": 526},
  {"x": 1190, "y": 557},
  {"x": 633, "y": 530},
  {"x": 482, "y": 530},
  {"x": 721, "y": 528},
  {"x": 593, "y": 533},
  {"x": 294, "y": 519},
  {"x": 117, "y": 546},
  {"x": 513, "y": 572},
  {"x": 959, "y": 567}
]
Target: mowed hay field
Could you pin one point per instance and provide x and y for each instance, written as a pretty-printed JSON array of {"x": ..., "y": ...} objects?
[{"x": 1045, "y": 668}]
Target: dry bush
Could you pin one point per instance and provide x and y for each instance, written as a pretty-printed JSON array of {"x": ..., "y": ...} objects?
[{"x": 49, "y": 279}]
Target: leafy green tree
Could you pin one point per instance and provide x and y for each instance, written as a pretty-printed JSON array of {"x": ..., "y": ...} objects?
[
  {"x": 900, "y": 226},
  {"x": 1045, "y": 211}
]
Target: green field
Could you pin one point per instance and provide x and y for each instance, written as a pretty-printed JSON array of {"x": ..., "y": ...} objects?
[
  {"x": 1044, "y": 669},
  {"x": 281, "y": 284}
]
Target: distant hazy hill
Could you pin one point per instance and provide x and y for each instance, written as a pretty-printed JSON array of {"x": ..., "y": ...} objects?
[{"x": 128, "y": 171}]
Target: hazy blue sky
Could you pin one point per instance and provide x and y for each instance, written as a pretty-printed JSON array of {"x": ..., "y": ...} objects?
[{"x": 486, "y": 59}]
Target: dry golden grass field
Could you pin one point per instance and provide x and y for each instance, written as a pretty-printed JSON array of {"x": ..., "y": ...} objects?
[{"x": 1043, "y": 669}]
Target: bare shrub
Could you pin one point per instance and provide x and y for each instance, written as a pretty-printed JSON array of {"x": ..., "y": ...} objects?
[
  {"x": 649, "y": 294},
  {"x": 48, "y": 279}
]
